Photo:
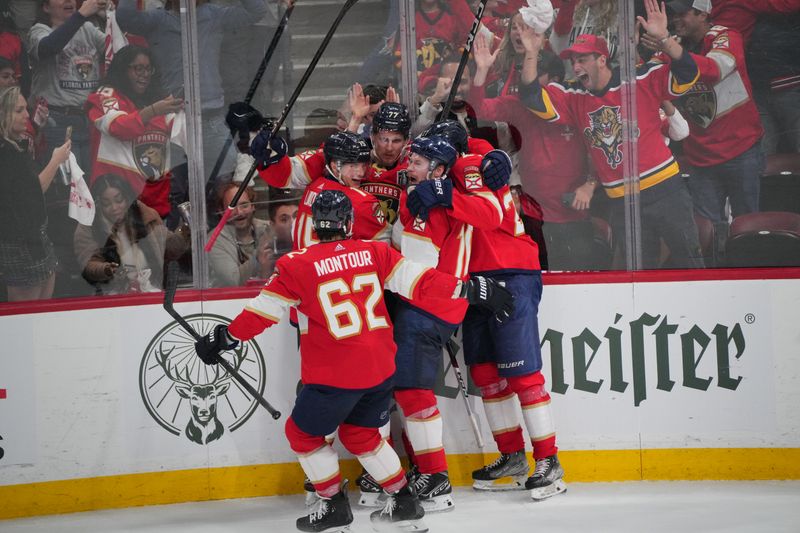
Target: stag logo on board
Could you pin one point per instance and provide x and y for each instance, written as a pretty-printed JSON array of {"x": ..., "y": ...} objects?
[{"x": 189, "y": 398}]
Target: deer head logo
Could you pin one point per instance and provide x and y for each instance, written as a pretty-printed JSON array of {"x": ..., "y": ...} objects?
[{"x": 185, "y": 396}]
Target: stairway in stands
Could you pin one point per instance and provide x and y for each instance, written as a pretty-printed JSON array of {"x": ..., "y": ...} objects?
[{"x": 359, "y": 32}]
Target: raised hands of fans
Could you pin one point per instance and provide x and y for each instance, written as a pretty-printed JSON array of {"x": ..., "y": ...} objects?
[
  {"x": 392, "y": 96},
  {"x": 656, "y": 22},
  {"x": 496, "y": 169},
  {"x": 532, "y": 41},
  {"x": 442, "y": 91},
  {"x": 487, "y": 293},
  {"x": 484, "y": 59},
  {"x": 359, "y": 102},
  {"x": 428, "y": 194},
  {"x": 267, "y": 149},
  {"x": 214, "y": 343}
]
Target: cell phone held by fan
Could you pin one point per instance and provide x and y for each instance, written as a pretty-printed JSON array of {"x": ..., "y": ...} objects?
[
  {"x": 66, "y": 175},
  {"x": 567, "y": 198}
]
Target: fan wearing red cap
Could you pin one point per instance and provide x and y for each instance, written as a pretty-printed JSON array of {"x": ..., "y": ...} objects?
[{"x": 594, "y": 104}]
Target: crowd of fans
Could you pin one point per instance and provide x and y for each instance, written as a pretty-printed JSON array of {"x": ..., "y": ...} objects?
[{"x": 122, "y": 119}]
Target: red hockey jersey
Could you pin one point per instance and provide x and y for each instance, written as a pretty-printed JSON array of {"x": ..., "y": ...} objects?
[
  {"x": 444, "y": 241},
  {"x": 307, "y": 171},
  {"x": 124, "y": 145},
  {"x": 723, "y": 118},
  {"x": 598, "y": 117},
  {"x": 384, "y": 184},
  {"x": 339, "y": 286}
]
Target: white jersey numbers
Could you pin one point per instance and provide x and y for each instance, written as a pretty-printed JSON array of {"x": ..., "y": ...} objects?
[{"x": 343, "y": 318}]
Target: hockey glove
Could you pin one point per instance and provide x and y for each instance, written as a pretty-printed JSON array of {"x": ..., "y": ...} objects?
[
  {"x": 268, "y": 150},
  {"x": 214, "y": 343},
  {"x": 487, "y": 293},
  {"x": 242, "y": 117},
  {"x": 428, "y": 194},
  {"x": 496, "y": 169}
]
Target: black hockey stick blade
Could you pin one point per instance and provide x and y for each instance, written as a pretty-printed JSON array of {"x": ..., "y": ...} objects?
[
  {"x": 473, "y": 32},
  {"x": 171, "y": 286}
]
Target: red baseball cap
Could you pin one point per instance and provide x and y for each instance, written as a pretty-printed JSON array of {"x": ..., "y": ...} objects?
[{"x": 586, "y": 44}]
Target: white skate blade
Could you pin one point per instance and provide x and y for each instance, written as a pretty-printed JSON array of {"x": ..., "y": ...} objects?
[
  {"x": 438, "y": 504},
  {"x": 403, "y": 526},
  {"x": 542, "y": 493},
  {"x": 502, "y": 484},
  {"x": 372, "y": 499}
]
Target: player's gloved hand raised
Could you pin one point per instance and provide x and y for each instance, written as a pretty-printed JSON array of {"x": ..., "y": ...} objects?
[
  {"x": 496, "y": 169},
  {"x": 268, "y": 149},
  {"x": 487, "y": 293},
  {"x": 429, "y": 194},
  {"x": 214, "y": 343},
  {"x": 243, "y": 117}
]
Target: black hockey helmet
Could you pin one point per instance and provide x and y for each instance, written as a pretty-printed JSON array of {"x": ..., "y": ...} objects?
[
  {"x": 346, "y": 147},
  {"x": 332, "y": 213},
  {"x": 452, "y": 130},
  {"x": 392, "y": 116},
  {"x": 436, "y": 149}
]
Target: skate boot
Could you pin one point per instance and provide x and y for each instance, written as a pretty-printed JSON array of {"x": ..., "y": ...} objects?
[
  {"x": 372, "y": 494},
  {"x": 434, "y": 492},
  {"x": 311, "y": 493},
  {"x": 401, "y": 513},
  {"x": 331, "y": 515},
  {"x": 495, "y": 476},
  {"x": 546, "y": 480}
]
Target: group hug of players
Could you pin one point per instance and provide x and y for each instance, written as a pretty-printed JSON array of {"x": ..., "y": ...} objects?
[{"x": 433, "y": 220}]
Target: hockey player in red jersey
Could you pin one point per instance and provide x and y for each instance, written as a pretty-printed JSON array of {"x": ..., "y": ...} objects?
[
  {"x": 389, "y": 137},
  {"x": 441, "y": 238},
  {"x": 341, "y": 164},
  {"x": 504, "y": 358},
  {"x": 347, "y": 356}
]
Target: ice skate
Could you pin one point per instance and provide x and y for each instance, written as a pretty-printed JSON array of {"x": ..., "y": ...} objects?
[
  {"x": 546, "y": 480},
  {"x": 507, "y": 472},
  {"x": 401, "y": 513},
  {"x": 372, "y": 494},
  {"x": 332, "y": 515},
  {"x": 434, "y": 492},
  {"x": 311, "y": 493}
]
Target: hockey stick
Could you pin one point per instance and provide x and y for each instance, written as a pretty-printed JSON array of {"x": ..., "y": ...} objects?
[
  {"x": 273, "y": 45},
  {"x": 452, "y": 350},
  {"x": 473, "y": 32},
  {"x": 277, "y": 126},
  {"x": 169, "y": 298}
]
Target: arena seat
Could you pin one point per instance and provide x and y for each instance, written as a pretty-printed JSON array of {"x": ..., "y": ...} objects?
[{"x": 766, "y": 239}]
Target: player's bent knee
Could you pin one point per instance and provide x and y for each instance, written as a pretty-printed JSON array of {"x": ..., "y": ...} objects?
[
  {"x": 416, "y": 403},
  {"x": 486, "y": 378},
  {"x": 529, "y": 388},
  {"x": 299, "y": 440},
  {"x": 359, "y": 440}
]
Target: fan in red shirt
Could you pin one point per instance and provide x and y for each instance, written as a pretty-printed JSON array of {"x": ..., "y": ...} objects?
[{"x": 347, "y": 356}]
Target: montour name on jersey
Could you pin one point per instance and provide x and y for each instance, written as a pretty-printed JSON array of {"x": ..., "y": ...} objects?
[{"x": 340, "y": 262}]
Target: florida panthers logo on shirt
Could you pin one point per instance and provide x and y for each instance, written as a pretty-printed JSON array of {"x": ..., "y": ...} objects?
[
  {"x": 149, "y": 152},
  {"x": 605, "y": 133},
  {"x": 700, "y": 104}
]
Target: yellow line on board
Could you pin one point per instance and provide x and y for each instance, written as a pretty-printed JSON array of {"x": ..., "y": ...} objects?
[{"x": 157, "y": 488}]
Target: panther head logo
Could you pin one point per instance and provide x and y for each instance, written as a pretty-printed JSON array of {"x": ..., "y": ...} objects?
[{"x": 605, "y": 133}]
